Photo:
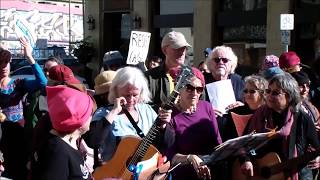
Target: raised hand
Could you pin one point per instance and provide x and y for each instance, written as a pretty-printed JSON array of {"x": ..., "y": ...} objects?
[
  {"x": 118, "y": 103},
  {"x": 117, "y": 108},
  {"x": 27, "y": 49}
]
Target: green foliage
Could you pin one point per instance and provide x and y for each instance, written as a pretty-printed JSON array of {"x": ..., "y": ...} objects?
[{"x": 84, "y": 50}]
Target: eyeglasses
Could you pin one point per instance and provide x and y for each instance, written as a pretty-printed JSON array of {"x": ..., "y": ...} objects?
[
  {"x": 273, "y": 93},
  {"x": 218, "y": 59},
  {"x": 251, "y": 91},
  {"x": 191, "y": 88}
]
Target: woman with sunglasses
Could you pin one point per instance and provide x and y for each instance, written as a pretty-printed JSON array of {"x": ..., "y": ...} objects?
[
  {"x": 253, "y": 98},
  {"x": 295, "y": 130},
  {"x": 195, "y": 130}
]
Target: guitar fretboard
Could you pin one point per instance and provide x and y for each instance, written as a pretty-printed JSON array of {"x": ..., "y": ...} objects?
[{"x": 153, "y": 133}]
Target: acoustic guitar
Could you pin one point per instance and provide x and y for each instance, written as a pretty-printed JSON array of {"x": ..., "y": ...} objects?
[
  {"x": 270, "y": 167},
  {"x": 131, "y": 150}
]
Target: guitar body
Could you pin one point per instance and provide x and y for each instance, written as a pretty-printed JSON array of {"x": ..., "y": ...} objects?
[
  {"x": 268, "y": 160},
  {"x": 117, "y": 166}
]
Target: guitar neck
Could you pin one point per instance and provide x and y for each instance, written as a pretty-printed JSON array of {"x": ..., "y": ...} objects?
[
  {"x": 182, "y": 79},
  {"x": 153, "y": 133}
]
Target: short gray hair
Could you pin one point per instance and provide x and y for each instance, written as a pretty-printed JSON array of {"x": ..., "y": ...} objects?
[
  {"x": 289, "y": 85},
  {"x": 130, "y": 76}
]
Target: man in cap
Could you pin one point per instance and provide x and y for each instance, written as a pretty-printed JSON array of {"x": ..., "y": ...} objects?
[
  {"x": 290, "y": 62},
  {"x": 113, "y": 60},
  {"x": 174, "y": 47}
]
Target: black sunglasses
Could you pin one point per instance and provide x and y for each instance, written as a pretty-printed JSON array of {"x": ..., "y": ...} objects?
[
  {"x": 191, "y": 88},
  {"x": 251, "y": 91},
  {"x": 218, "y": 59},
  {"x": 273, "y": 93}
]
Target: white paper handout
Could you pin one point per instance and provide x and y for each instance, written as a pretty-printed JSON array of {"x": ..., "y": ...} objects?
[
  {"x": 221, "y": 94},
  {"x": 237, "y": 146}
]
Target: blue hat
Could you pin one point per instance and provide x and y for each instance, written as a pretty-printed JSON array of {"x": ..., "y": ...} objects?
[
  {"x": 207, "y": 52},
  {"x": 270, "y": 72},
  {"x": 113, "y": 57}
]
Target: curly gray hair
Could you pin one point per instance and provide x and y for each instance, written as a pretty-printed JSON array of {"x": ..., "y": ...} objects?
[{"x": 229, "y": 54}]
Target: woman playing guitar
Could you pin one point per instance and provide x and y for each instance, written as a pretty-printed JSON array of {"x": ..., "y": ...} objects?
[{"x": 295, "y": 130}]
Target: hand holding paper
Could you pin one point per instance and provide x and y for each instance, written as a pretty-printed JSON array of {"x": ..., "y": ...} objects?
[{"x": 221, "y": 94}]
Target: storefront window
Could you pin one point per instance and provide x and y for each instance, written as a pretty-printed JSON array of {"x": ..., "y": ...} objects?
[
  {"x": 44, "y": 23},
  {"x": 243, "y": 5},
  {"x": 245, "y": 33}
]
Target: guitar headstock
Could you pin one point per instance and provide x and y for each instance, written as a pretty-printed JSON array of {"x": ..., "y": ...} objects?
[{"x": 183, "y": 77}]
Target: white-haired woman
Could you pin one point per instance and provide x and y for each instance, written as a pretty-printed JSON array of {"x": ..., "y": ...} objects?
[{"x": 129, "y": 90}]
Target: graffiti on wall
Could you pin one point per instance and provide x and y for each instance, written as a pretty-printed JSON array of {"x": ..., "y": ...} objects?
[{"x": 40, "y": 25}]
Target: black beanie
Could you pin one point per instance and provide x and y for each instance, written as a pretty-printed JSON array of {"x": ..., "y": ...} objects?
[{"x": 301, "y": 77}]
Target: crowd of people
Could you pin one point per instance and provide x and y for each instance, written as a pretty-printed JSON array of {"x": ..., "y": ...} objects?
[{"x": 53, "y": 127}]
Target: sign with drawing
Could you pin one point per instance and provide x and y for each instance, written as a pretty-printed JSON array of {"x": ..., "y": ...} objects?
[
  {"x": 138, "y": 47},
  {"x": 22, "y": 29},
  {"x": 286, "y": 22}
]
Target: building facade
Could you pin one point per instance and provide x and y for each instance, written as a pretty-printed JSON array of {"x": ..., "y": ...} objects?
[{"x": 251, "y": 27}]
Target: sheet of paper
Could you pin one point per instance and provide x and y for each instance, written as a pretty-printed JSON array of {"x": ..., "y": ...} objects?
[
  {"x": 221, "y": 94},
  {"x": 237, "y": 146},
  {"x": 240, "y": 122}
]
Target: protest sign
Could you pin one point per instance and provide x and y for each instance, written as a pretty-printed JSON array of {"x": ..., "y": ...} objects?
[{"x": 138, "y": 47}]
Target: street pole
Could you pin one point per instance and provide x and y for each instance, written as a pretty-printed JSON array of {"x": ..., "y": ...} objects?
[
  {"x": 286, "y": 48},
  {"x": 69, "y": 27},
  {"x": 285, "y": 39},
  {"x": 286, "y": 25}
]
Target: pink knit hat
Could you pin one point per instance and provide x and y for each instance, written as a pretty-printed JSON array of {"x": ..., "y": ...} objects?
[
  {"x": 270, "y": 61},
  {"x": 196, "y": 72},
  {"x": 69, "y": 109}
]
